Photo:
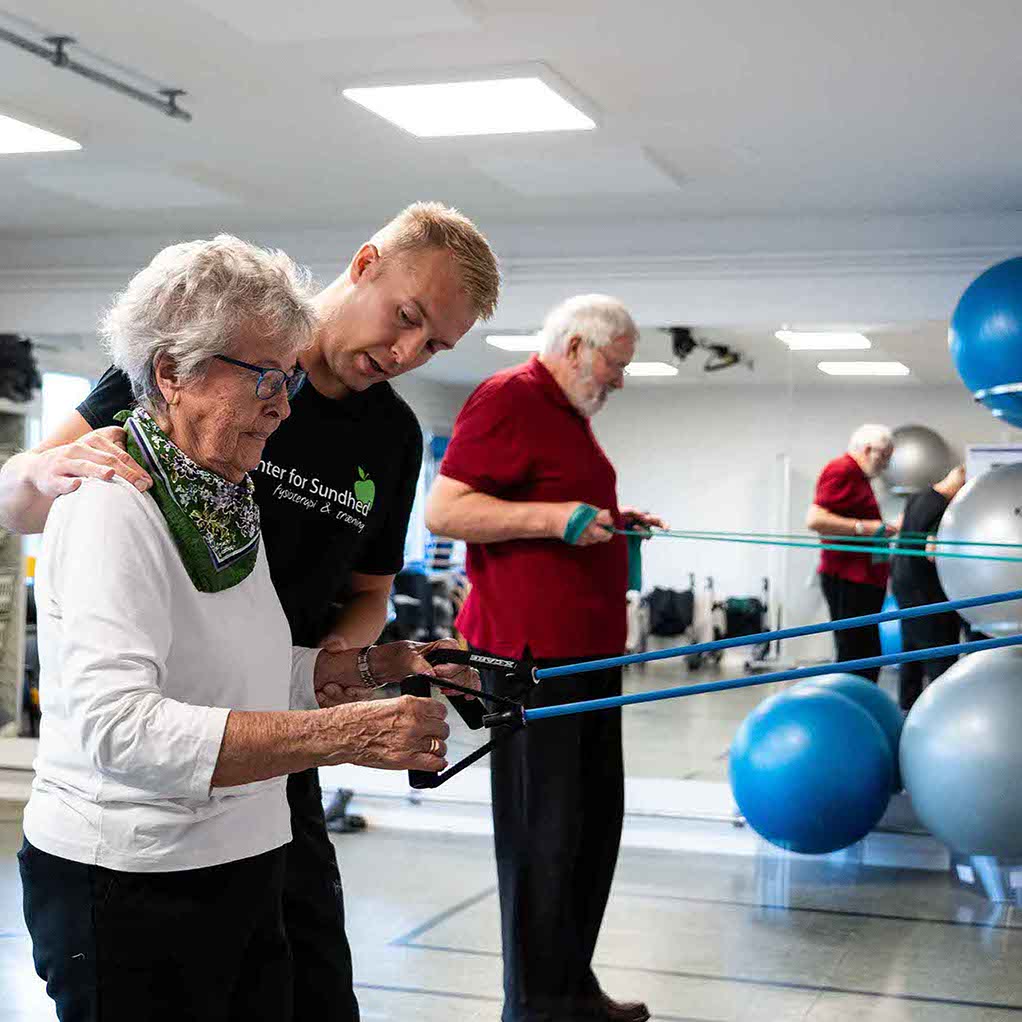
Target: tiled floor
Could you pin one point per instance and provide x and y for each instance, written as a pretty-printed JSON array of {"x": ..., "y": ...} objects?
[{"x": 700, "y": 937}]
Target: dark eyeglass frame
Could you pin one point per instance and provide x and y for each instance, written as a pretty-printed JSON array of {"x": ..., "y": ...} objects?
[{"x": 271, "y": 380}]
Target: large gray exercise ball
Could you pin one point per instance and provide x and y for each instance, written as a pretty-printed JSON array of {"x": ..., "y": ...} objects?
[
  {"x": 921, "y": 457},
  {"x": 961, "y": 757},
  {"x": 987, "y": 509}
]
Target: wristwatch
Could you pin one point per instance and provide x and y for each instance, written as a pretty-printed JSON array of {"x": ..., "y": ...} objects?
[
  {"x": 858, "y": 527},
  {"x": 364, "y": 670}
]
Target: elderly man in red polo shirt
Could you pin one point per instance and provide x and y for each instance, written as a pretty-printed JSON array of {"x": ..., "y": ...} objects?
[
  {"x": 845, "y": 505},
  {"x": 522, "y": 475}
]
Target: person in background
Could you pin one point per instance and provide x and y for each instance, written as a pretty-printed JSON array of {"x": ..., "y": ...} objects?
[
  {"x": 526, "y": 484},
  {"x": 914, "y": 582},
  {"x": 845, "y": 505}
]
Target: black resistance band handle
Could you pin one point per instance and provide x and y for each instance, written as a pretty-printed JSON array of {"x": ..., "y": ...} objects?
[
  {"x": 470, "y": 710},
  {"x": 418, "y": 685}
]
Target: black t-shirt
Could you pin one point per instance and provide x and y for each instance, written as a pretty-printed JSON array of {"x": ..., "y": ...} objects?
[
  {"x": 916, "y": 577},
  {"x": 335, "y": 491}
]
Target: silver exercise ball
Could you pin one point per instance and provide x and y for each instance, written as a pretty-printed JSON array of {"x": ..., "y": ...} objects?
[
  {"x": 921, "y": 457},
  {"x": 986, "y": 509},
  {"x": 961, "y": 758}
]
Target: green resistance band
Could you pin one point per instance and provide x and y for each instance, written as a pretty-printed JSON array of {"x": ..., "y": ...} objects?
[
  {"x": 908, "y": 538},
  {"x": 583, "y": 516},
  {"x": 882, "y": 551}
]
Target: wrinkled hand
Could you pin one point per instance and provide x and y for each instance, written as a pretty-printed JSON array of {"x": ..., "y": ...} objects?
[
  {"x": 635, "y": 519},
  {"x": 395, "y": 661},
  {"x": 337, "y": 682},
  {"x": 96, "y": 455},
  {"x": 391, "y": 734}
]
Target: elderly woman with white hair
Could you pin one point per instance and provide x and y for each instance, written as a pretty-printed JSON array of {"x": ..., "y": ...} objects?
[
  {"x": 173, "y": 701},
  {"x": 845, "y": 505},
  {"x": 526, "y": 484}
]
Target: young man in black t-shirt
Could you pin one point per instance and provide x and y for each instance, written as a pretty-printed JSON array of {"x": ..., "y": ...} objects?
[
  {"x": 914, "y": 582},
  {"x": 335, "y": 490}
]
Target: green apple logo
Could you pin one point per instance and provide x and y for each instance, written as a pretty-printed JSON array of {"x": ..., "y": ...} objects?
[{"x": 365, "y": 489}]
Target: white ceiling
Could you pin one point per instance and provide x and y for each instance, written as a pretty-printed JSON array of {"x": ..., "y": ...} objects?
[
  {"x": 736, "y": 107},
  {"x": 922, "y": 348}
]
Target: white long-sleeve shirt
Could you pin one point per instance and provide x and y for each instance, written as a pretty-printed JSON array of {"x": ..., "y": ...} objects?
[{"x": 138, "y": 671}]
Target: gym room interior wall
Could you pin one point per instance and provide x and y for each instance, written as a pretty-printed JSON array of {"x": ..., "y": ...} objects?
[
  {"x": 436, "y": 405},
  {"x": 712, "y": 458}
]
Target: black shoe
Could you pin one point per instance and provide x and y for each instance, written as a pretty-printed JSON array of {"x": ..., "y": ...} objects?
[
  {"x": 349, "y": 823},
  {"x": 338, "y": 819},
  {"x": 607, "y": 1009}
]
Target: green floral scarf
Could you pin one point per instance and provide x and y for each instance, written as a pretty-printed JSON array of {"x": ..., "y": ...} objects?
[{"x": 214, "y": 522}]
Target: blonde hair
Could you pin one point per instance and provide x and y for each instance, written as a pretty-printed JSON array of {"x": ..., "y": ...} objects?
[{"x": 425, "y": 225}]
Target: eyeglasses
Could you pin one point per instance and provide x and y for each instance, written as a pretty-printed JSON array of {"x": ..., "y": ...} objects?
[{"x": 271, "y": 380}]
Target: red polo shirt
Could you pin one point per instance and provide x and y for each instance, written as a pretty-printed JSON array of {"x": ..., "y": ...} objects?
[
  {"x": 844, "y": 490},
  {"x": 519, "y": 438}
]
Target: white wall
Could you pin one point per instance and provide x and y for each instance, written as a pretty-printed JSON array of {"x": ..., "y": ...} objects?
[
  {"x": 435, "y": 404},
  {"x": 711, "y": 459}
]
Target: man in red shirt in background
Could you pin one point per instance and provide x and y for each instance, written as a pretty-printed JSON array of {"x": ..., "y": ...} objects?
[
  {"x": 521, "y": 476},
  {"x": 845, "y": 505}
]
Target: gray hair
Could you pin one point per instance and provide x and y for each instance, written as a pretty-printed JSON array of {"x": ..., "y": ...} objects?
[
  {"x": 871, "y": 434},
  {"x": 597, "y": 319},
  {"x": 190, "y": 301}
]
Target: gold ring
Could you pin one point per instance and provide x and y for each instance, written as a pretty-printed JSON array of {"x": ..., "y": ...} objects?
[{"x": 434, "y": 745}]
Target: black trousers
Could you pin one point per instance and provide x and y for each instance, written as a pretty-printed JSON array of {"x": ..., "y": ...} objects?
[
  {"x": 558, "y": 807},
  {"x": 851, "y": 599},
  {"x": 922, "y": 633},
  {"x": 314, "y": 911},
  {"x": 207, "y": 945}
]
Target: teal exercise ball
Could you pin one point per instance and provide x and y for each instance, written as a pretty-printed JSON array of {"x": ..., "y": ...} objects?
[
  {"x": 874, "y": 700},
  {"x": 985, "y": 339},
  {"x": 811, "y": 771}
]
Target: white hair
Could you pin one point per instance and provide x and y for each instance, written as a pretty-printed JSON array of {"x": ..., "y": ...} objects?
[
  {"x": 190, "y": 301},
  {"x": 870, "y": 435},
  {"x": 596, "y": 319}
]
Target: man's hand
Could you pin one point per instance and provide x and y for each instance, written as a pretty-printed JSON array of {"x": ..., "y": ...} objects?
[
  {"x": 599, "y": 530},
  {"x": 635, "y": 519},
  {"x": 406, "y": 733},
  {"x": 337, "y": 681},
  {"x": 97, "y": 455}
]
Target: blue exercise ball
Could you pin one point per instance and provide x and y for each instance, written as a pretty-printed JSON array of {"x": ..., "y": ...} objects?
[
  {"x": 986, "y": 339},
  {"x": 811, "y": 771},
  {"x": 890, "y": 631},
  {"x": 874, "y": 700}
]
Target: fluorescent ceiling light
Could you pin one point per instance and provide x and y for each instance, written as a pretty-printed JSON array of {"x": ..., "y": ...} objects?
[
  {"x": 514, "y": 342},
  {"x": 799, "y": 340},
  {"x": 863, "y": 368},
  {"x": 19, "y": 137},
  {"x": 498, "y": 107},
  {"x": 651, "y": 369}
]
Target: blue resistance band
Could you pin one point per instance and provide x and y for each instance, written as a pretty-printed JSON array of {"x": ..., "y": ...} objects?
[
  {"x": 785, "y": 633},
  {"x": 612, "y": 702}
]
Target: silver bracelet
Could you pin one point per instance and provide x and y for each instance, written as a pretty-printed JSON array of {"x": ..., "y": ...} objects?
[{"x": 364, "y": 670}]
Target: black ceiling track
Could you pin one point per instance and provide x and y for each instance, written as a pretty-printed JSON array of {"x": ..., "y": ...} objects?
[{"x": 164, "y": 100}]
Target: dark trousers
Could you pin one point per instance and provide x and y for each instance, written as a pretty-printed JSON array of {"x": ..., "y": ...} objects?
[
  {"x": 314, "y": 911},
  {"x": 558, "y": 806},
  {"x": 851, "y": 599},
  {"x": 207, "y": 945},
  {"x": 923, "y": 633}
]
